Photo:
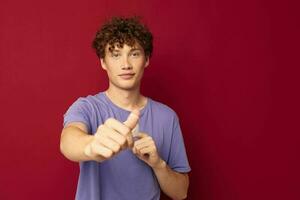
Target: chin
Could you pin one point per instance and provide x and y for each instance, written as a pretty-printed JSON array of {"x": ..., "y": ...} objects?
[{"x": 126, "y": 86}]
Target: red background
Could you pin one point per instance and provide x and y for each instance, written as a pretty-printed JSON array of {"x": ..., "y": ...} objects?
[{"x": 229, "y": 69}]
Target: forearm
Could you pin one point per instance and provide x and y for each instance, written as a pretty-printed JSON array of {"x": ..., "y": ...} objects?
[
  {"x": 72, "y": 143},
  {"x": 172, "y": 183}
]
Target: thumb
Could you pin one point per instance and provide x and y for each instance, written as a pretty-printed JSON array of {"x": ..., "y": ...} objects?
[
  {"x": 142, "y": 135},
  {"x": 132, "y": 119}
]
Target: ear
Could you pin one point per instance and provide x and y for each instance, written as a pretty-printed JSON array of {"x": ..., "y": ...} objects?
[
  {"x": 147, "y": 61},
  {"x": 103, "y": 65}
]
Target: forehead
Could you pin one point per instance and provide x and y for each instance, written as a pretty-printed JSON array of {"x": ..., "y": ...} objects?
[{"x": 116, "y": 46}]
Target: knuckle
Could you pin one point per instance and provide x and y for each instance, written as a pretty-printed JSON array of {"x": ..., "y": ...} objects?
[
  {"x": 100, "y": 128},
  {"x": 117, "y": 148},
  {"x": 126, "y": 130},
  {"x": 109, "y": 120},
  {"x": 105, "y": 155},
  {"x": 98, "y": 136},
  {"x": 137, "y": 147},
  {"x": 122, "y": 141},
  {"x": 110, "y": 153}
]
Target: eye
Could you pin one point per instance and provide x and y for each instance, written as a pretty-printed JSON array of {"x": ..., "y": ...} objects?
[
  {"x": 115, "y": 55},
  {"x": 136, "y": 54}
]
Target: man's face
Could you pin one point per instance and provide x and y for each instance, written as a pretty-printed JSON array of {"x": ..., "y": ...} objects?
[{"x": 125, "y": 66}]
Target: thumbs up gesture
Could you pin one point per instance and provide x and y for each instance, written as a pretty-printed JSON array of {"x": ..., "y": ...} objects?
[{"x": 112, "y": 137}]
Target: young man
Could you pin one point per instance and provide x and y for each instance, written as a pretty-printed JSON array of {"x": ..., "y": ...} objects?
[{"x": 128, "y": 145}]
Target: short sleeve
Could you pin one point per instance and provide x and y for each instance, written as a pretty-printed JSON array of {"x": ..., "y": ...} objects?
[
  {"x": 79, "y": 111},
  {"x": 177, "y": 159}
]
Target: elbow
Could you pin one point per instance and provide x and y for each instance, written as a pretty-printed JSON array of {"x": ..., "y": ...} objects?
[
  {"x": 61, "y": 144},
  {"x": 184, "y": 193},
  {"x": 66, "y": 154},
  {"x": 63, "y": 148},
  {"x": 184, "y": 196},
  {"x": 180, "y": 198},
  {"x": 63, "y": 151}
]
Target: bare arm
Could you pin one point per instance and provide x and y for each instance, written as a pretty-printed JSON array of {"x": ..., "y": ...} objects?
[
  {"x": 110, "y": 138},
  {"x": 74, "y": 139},
  {"x": 172, "y": 183}
]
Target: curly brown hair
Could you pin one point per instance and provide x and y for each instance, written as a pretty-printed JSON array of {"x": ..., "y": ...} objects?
[{"x": 121, "y": 30}]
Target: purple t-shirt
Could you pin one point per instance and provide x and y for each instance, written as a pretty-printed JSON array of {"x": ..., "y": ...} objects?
[{"x": 125, "y": 176}]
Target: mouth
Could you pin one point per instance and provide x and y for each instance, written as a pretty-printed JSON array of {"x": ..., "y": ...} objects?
[{"x": 127, "y": 76}]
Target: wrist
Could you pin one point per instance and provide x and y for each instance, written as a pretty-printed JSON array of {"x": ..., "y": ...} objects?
[
  {"x": 160, "y": 165},
  {"x": 90, "y": 156},
  {"x": 87, "y": 151}
]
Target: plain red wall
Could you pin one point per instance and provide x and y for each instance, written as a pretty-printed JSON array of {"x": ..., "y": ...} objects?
[{"x": 229, "y": 69}]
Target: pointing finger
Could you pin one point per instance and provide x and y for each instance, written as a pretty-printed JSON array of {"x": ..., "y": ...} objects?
[{"x": 141, "y": 135}]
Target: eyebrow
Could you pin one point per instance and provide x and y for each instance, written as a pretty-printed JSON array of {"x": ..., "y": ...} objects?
[
  {"x": 135, "y": 48},
  {"x": 132, "y": 49}
]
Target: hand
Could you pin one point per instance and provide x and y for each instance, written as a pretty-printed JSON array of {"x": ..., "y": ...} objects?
[
  {"x": 145, "y": 149},
  {"x": 112, "y": 137}
]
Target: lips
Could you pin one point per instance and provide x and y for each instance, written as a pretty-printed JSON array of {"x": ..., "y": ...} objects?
[{"x": 127, "y": 76}]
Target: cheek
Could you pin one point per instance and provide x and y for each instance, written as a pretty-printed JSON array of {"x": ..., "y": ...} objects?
[
  {"x": 140, "y": 73},
  {"x": 109, "y": 71},
  {"x": 113, "y": 67},
  {"x": 141, "y": 64}
]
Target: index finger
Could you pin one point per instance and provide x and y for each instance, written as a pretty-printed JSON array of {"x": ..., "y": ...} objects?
[{"x": 117, "y": 126}]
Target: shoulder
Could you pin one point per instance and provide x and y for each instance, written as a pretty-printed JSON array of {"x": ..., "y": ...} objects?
[
  {"x": 163, "y": 111},
  {"x": 89, "y": 102},
  {"x": 91, "y": 99}
]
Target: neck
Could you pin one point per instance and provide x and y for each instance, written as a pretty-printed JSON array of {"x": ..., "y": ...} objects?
[{"x": 126, "y": 99}]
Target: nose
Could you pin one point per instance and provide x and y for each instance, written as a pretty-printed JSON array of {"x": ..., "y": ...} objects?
[{"x": 126, "y": 64}]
